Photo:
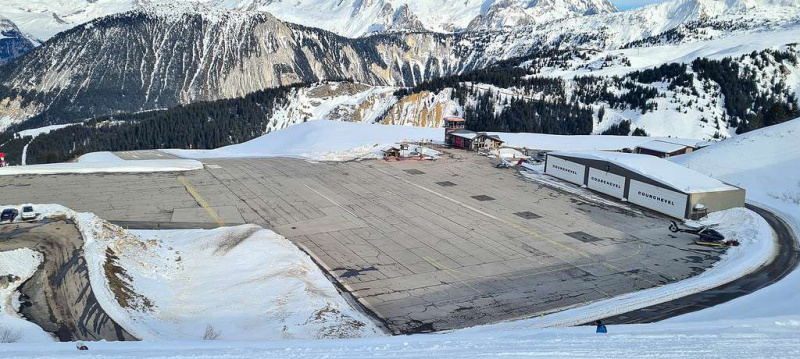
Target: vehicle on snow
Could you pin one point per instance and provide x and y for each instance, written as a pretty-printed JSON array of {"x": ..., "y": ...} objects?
[
  {"x": 28, "y": 213},
  {"x": 9, "y": 214}
]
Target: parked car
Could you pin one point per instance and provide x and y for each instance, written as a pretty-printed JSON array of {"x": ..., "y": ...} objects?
[
  {"x": 28, "y": 213},
  {"x": 9, "y": 214}
]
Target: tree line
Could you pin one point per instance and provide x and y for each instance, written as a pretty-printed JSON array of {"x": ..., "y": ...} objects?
[{"x": 201, "y": 125}]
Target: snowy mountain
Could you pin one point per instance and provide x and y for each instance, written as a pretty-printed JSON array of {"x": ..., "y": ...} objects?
[
  {"x": 13, "y": 42},
  {"x": 164, "y": 55},
  {"x": 352, "y": 18},
  {"x": 358, "y": 17}
]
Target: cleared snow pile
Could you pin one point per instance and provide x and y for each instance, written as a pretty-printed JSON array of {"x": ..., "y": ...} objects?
[
  {"x": 16, "y": 267},
  {"x": 322, "y": 141},
  {"x": 103, "y": 162},
  {"x": 242, "y": 283}
]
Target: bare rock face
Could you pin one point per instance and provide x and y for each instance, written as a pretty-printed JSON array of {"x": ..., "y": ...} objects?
[
  {"x": 424, "y": 109},
  {"x": 147, "y": 60}
]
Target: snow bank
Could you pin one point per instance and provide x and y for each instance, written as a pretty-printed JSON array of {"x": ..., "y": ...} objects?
[
  {"x": 20, "y": 263},
  {"x": 104, "y": 156},
  {"x": 103, "y": 163},
  {"x": 765, "y": 162},
  {"x": 246, "y": 282},
  {"x": 322, "y": 141},
  {"x": 757, "y": 339}
]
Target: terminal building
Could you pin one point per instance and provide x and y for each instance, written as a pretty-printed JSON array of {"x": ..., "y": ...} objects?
[{"x": 647, "y": 181}]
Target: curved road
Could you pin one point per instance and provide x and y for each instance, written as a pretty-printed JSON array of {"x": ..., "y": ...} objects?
[
  {"x": 784, "y": 263},
  {"x": 59, "y": 297}
]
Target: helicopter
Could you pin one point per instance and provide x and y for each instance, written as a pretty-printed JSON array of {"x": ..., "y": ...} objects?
[{"x": 707, "y": 235}]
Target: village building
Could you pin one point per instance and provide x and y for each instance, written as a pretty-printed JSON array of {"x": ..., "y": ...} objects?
[{"x": 486, "y": 142}]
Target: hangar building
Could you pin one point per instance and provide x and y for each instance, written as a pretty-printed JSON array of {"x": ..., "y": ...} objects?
[{"x": 647, "y": 181}]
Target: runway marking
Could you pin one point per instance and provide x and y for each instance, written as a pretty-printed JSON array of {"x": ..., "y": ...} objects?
[
  {"x": 330, "y": 200},
  {"x": 517, "y": 227},
  {"x": 201, "y": 201}
]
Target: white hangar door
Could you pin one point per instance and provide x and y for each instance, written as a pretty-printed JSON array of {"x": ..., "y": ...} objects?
[
  {"x": 566, "y": 170},
  {"x": 658, "y": 199},
  {"x": 606, "y": 182}
]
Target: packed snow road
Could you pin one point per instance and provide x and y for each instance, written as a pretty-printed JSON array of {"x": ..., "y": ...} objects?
[
  {"x": 59, "y": 297},
  {"x": 421, "y": 245}
]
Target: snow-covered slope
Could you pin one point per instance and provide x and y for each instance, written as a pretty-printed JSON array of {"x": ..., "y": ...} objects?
[
  {"x": 335, "y": 101},
  {"x": 322, "y": 140},
  {"x": 353, "y": 18},
  {"x": 766, "y": 163},
  {"x": 182, "y": 52},
  {"x": 244, "y": 282},
  {"x": 17, "y": 267},
  {"x": 13, "y": 42},
  {"x": 357, "y": 17}
]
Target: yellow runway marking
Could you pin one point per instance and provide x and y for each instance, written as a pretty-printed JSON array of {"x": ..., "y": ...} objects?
[
  {"x": 201, "y": 201},
  {"x": 518, "y": 227}
]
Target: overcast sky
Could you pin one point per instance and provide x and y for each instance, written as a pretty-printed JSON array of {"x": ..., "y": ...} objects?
[{"x": 630, "y": 4}]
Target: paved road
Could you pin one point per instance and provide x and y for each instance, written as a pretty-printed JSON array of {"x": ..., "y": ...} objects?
[
  {"x": 422, "y": 245},
  {"x": 60, "y": 297},
  {"x": 784, "y": 263}
]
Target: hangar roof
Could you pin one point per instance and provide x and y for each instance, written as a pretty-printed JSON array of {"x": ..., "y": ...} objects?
[
  {"x": 658, "y": 169},
  {"x": 663, "y": 147}
]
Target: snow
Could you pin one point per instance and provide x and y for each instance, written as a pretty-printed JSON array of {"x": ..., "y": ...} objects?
[
  {"x": 247, "y": 282},
  {"x": 666, "y": 172},
  {"x": 35, "y": 132},
  {"x": 524, "y": 337},
  {"x": 21, "y": 263},
  {"x": 661, "y": 146},
  {"x": 41, "y": 130},
  {"x": 103, "y": 162},
  {"x": 766, "y": 162},
  {"x": 103, "y": 157},
  {"x": 322, "y": 141},
  {"x": 757, "y": 340},
  {"x": 261, "y": 288},
  {"x": 150, "y": 257},
  {"x": 574, "y": 143},
  {"x": 351, "y": 102}
]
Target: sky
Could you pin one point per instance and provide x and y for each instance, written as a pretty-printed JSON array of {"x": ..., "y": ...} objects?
[{"x": 630, "y": 4}]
